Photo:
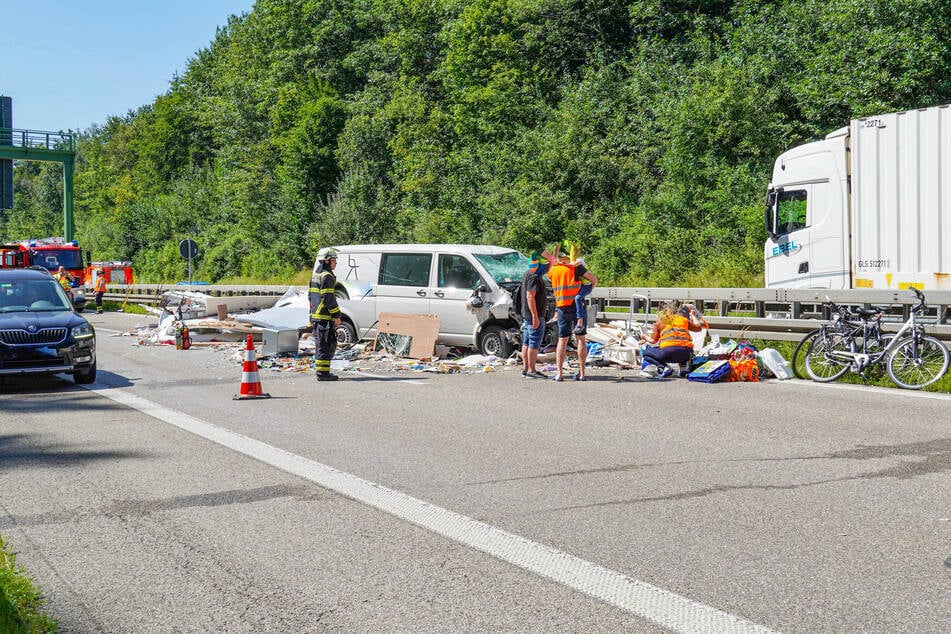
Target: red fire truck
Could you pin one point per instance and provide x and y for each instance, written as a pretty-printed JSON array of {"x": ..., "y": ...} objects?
[
  {"x": 115, "y": 272},
  {"x": 49, "y": 253}
]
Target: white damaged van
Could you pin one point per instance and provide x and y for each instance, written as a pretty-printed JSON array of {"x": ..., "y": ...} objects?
[{"x": 473, "y": 289}]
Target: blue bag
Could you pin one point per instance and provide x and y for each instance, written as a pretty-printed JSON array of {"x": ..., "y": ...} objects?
[{"x": 711, "y": 372}]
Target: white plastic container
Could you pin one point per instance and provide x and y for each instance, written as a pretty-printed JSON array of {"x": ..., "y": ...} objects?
[{"x": 776, "y": 363}]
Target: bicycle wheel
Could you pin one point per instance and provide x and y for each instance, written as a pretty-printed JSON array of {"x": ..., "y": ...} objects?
[
  {"x": 799, "y": 355},
  {"x": 917, "y": 362},
  {"x": 821, "y": 364}
]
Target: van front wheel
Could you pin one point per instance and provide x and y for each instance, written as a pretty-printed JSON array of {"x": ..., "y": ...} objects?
[
  {"x": 495, "y": 343},
  {"x": 346, "y": 334}
]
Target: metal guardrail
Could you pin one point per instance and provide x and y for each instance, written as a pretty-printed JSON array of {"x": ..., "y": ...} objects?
[
  {"x": 750, "y": 313},
  {"x": 772, "y": 313}
]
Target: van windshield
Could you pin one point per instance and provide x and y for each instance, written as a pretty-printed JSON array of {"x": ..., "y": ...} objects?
[{"x": 504, "y": 267}]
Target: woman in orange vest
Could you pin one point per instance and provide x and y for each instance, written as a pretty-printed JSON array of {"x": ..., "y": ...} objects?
[{"x": 670, "y": 340}]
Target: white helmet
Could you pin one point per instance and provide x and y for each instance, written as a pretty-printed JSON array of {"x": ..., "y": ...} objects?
[{"x": 326, "y": 253}]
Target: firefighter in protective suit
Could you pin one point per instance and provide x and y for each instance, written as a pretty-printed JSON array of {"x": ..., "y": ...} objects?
[{"x": 324, "y": 312}]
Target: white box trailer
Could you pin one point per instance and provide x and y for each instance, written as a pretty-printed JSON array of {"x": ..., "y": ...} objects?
[{"x": 867, "y": 207}]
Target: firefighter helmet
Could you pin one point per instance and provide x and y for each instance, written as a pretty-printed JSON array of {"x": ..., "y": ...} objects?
[{"x": 326, "y": 253}]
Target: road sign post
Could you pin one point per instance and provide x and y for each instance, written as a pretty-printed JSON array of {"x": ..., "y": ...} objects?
[{"x": 189, "y": 249}]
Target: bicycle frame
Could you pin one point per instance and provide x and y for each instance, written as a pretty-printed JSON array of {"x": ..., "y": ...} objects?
[{"x": 858, "y": 361}]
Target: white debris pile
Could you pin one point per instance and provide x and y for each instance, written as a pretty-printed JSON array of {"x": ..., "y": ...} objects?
[{"x": 292, "y": 310}]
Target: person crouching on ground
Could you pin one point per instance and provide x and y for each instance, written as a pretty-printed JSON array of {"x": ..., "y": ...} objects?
[
  {"x": 670, "y": 339},
  {"x": 534, "y": 307},
  {"x": 566, "y": 282}
]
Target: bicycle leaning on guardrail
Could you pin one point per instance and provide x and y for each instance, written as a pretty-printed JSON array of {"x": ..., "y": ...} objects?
[
  {"x": 840, "y": 322},
  {"x": 913, "y": 358}
]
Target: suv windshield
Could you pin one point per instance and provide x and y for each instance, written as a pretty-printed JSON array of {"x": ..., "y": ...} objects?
[
  {"x": 504, "y": 267},
  {"x": 32, "y": 295}
]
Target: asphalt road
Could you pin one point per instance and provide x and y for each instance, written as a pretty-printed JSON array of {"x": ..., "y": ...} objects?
[{"x": 153, "y": 502}]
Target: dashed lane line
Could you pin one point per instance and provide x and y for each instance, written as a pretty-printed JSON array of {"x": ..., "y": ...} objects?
[{"x": 667, "y": 609}]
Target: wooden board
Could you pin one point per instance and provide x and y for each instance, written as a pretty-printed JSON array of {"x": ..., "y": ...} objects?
[{"x": 423, "y": 329}]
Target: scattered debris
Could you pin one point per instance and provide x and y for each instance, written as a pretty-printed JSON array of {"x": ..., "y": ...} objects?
[{"x": 411, "y": 336}]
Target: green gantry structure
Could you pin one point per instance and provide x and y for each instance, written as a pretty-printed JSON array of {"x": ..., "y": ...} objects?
[{"x": 56, "y": 147}]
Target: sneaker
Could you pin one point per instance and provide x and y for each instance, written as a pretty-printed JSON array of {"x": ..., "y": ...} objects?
[
  {"x": 525, "y": 374},
  {"x": 327, "y": 377},
  {"x": 537, "y": 375},
  {"x": 665, "y": 374},
  {"x": 578, "y": 330}
]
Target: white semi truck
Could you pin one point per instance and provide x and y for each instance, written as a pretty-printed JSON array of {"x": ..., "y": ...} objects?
[{"x": 867, "y": 207}]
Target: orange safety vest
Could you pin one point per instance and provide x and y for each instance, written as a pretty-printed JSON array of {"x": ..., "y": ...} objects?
[
  {"x": 676, "y": 333},
  {"x": 100, "y": 285},
  {"x": 564, "y": 284}
]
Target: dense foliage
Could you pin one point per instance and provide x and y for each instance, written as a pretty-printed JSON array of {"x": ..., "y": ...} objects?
[{"x": 645, "y": 130}]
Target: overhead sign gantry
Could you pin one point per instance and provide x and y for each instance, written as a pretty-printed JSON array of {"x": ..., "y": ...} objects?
[{"x": 34, "y": 145}]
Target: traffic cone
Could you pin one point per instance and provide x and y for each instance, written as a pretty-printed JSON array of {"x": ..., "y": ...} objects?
[{"x": 250, "y": 382}]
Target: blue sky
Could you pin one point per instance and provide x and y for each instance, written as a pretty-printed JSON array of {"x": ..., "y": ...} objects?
[{"x": 71, "y": 63}]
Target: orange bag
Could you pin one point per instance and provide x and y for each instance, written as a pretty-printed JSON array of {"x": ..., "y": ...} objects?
[{"x": 745, "y": 370}]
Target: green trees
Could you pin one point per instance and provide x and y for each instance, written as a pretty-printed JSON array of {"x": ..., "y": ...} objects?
[{"x": 645, "y": 130}]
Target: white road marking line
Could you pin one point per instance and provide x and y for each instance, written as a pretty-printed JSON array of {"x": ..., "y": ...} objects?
[
  {"x": 889, "y": 391},
  {"x": 642, "y": 599}
]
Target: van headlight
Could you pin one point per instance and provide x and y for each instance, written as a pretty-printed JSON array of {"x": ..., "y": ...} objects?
[{"x": 83, "y": 331}]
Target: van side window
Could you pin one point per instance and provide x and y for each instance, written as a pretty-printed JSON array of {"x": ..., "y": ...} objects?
[
  {"x": 455, "y": 271},
  {"x": 405, "y": 269},
  {"x": 791, "y": 211}
]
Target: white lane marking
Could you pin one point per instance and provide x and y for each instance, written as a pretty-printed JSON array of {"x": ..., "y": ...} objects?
[
  {"x": 889, "y": 391},
  {"x": 650, "y": 602}
]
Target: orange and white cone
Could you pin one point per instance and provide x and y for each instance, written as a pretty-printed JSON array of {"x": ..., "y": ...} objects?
[{"x": 250, "y": 382}]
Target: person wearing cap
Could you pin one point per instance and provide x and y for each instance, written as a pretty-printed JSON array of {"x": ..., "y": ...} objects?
[
  {"x": 534, "y": 307},
  {"x": 324, "y": 312},
  {"x": 99, "y": 289},
  {"x": 566, "y": 279}
]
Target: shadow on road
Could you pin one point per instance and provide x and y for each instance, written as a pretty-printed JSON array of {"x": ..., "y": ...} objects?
[{"x": 18, "y": 450}]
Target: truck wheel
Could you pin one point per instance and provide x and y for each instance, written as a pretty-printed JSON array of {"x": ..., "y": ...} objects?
[
  {"x": 346, "y": 334},
  {"x": 494, "y": 343},
  {"x": 81, "y": 377}
]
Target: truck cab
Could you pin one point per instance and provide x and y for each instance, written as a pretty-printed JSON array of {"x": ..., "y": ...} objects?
[
  {"x": 807, "y": 217},
  {"x": 50, "y": 254}
]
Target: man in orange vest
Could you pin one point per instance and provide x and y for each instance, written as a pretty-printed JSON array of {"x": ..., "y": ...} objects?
[
  {"x": 99, "y": 288},
  {"x": 566, "y": 279}
]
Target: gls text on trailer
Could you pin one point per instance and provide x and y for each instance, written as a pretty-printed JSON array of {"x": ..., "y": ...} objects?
[{"x": 867, "y": 207}]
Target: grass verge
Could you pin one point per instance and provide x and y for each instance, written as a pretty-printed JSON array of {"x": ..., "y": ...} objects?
[{"x": 20, "y": 599}]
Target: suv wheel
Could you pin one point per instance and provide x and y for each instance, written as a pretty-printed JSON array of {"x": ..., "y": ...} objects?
[{"x": 87, "y": 375}]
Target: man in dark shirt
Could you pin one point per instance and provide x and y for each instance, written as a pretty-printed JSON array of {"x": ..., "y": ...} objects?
[{"x": 534, "y": 305}]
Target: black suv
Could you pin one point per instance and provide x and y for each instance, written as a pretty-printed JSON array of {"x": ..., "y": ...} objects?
[{"x": 40, "y": 333}]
